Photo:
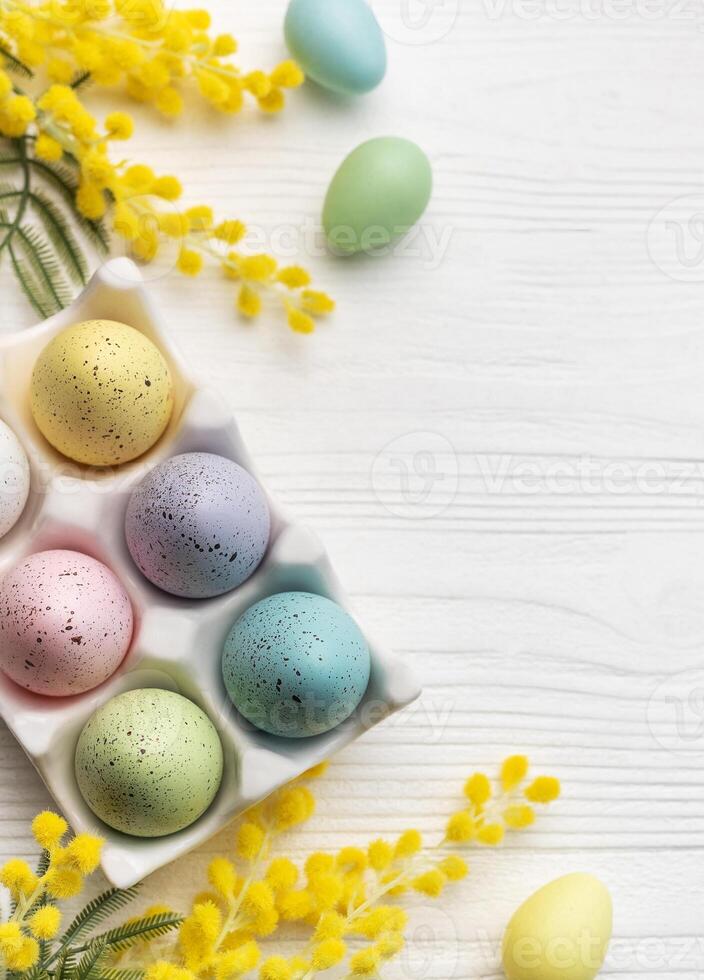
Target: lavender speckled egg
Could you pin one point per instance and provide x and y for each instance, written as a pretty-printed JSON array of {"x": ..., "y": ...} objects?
[
  {"x": 65, "y": 623},
  {"x": 14, "y": 479},
  {"x": 149, "y": 762},
  {"x": 295, "y": 664},
  {"x": 197, "y": 525}
]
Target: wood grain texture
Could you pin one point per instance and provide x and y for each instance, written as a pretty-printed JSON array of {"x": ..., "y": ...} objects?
[{"x": 499, "y": 436}]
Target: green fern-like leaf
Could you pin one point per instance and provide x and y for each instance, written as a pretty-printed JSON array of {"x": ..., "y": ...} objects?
[
  {"x": 8, "y": 191},
  {"x": 62, "y": 178},
  {"x": 36, "y": 973},
  {"x": 65, "y": 964},
  {"x": 13, "y": 62},
  {"x": 43, "y": 864},
  {"x": 62, "y": 238},
  {"x": 33, "y": 288},
  {"x": 41, "y": 228},
  {"x": 121, "y": 974},
  {"x": 82, "y": 80},
  {"x": 97, "y": 911},
  {"x": 44, "y": 946},
  {"x": 146, "y": 929},
  {"x": 39, "y": 254},
  {"x": 87, "y": 966}
]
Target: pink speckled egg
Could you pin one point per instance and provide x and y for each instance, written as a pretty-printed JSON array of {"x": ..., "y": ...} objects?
[{"x": 65, "y": 623}]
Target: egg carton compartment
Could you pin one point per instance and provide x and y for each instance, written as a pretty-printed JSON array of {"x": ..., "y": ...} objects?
[
  {"x": 177, "y": 643},
  {"x": 114, "y": 293}
]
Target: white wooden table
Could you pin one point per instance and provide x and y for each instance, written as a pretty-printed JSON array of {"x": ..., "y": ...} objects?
[{"x": 538, "y": 377}]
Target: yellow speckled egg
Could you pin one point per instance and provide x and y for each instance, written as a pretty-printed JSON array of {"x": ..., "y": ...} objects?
[
  {"x": 561, "y": 932},
  {"x": 101, "y": 393}
]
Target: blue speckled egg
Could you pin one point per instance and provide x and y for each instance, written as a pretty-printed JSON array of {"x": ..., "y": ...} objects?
[
  {"x": 338, "y": 43},
  {"x": 198, "y": 525},
  {"x": 295, "y": 664}
]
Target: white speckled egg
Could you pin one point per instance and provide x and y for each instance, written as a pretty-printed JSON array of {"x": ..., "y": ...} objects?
[
  {"x": 101, "y": 393},
  {"x": 65, "y": 623},
  {"x": 149, "y": 762},
  {"x": 197, "y": 525},
  {"x": 14, "y": 479},
  {"x": 296, "y": 664}
]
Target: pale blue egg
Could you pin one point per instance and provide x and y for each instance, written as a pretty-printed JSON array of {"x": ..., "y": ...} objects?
[
  {"x": 338, "y": 43},
  {"x": 295, "y": 664}
]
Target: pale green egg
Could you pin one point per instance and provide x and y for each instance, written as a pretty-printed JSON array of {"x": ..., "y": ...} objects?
[
  {"x": 149, "y": 762},
  {"x": 378, "y": 192},
  {"x": 561, "y": 932}
]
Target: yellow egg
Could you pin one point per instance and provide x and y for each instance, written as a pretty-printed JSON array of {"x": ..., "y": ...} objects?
[
  {"x": 101, "y": 393},
  {"x": 561, "y": 932}
]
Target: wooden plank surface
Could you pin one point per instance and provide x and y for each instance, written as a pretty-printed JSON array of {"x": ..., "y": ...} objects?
[{"x": 500, "y": 437}]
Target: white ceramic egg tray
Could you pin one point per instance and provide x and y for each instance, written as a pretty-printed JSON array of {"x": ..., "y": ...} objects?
[{"x": 177, "y": 643}]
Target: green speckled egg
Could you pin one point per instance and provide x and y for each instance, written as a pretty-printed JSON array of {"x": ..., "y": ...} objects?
[
  {"x": 296, "y": 664},
  {"x": 149, "y": 762},
  {"x": 378, "y": 192},
  {"x": 101, "y": 393}
]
